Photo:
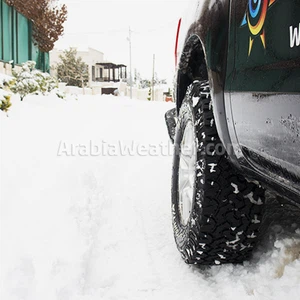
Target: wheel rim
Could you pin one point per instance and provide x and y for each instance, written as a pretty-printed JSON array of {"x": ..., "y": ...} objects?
[{"x": 186, "y": 173}]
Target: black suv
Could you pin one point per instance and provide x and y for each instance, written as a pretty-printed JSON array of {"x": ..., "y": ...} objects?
[{"x": 236, "y": 125}]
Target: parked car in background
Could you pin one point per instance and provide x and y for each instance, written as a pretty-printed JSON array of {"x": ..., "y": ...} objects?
[{"x": 236, "y": 125}]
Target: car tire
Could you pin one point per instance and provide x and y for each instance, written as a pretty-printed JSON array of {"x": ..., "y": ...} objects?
[
  {"x": 170, "y": 118},
  {"x": 216, "y": 212}
]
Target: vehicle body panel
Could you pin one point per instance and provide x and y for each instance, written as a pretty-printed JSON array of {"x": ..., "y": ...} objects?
[
  {"x": 254, "y": 75},
  {"x": 208, "y": 24},
  {"x": 264, "y": 91}
]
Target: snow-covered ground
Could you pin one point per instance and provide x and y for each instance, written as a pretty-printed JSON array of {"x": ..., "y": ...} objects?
[{"x": 85, "y": 211}]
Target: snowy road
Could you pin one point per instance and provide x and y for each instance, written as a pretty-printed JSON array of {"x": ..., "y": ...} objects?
[{"x": 85, "y": 211}]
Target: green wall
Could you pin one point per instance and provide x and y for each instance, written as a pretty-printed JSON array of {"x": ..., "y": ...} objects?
[{"x": 16, "y": 42}]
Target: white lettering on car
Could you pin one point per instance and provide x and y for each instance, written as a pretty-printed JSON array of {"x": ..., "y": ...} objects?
[{"x": 294, "y": 36}]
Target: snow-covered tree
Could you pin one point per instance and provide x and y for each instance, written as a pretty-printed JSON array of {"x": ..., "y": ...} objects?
[
  {"x": 72, "y": 70},
  {"x": 158, "y": 81},
  {"x": 143, "y": 83},
  {"x": 29, "y": 80}
]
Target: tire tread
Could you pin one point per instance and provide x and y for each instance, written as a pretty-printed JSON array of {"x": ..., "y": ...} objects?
[{"x": 224, "y": 222}]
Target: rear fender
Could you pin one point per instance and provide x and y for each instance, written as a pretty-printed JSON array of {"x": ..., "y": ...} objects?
[{"x": 204, "y": 57}]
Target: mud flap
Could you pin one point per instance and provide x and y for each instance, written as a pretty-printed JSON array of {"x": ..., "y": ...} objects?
[{"x": 171, "y": 120}]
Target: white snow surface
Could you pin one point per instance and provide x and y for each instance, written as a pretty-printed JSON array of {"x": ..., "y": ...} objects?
[
  {"x": 5, "y": 77},
  {"x": 99, "y": 226}
]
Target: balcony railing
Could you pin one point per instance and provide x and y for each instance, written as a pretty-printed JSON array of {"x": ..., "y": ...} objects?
[{"x": 107, "y": 79}]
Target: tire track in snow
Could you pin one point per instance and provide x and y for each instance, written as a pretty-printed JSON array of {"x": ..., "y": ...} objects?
[{"x": 88, "y": 211}]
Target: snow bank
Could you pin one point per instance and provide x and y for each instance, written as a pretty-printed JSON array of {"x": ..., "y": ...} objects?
[{"x": 87, "y": 227}]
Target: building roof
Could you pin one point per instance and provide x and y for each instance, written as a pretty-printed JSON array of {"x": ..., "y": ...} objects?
[{"x": 110, "y": 65}]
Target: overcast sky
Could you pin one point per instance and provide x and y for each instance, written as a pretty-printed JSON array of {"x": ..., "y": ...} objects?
[{"x": 104, "y": 25}]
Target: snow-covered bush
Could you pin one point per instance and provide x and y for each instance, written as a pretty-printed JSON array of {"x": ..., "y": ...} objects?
[
  {"x": 5, "y": 82},
  {"x": 5, "y": 103},
  {"x": 60, "y": 94},
  {"x": 29, "y": 80}
]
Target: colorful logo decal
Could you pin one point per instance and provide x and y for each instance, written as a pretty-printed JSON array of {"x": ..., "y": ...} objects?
[{"x": 255, "y": 17}]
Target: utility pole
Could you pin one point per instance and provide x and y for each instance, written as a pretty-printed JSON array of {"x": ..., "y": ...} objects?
[
  {"x": 130, "y": 63},
  {"x": 153, "y": 72}
]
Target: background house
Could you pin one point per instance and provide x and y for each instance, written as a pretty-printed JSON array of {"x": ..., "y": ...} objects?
[
  {"x": 99, "y": 70},
  {"x": 105, "y": 77},
  {"x": 16, "y": 42}
]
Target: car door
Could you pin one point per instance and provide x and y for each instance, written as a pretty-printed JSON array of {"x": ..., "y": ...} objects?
[{"x": 264, "y": 83}]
